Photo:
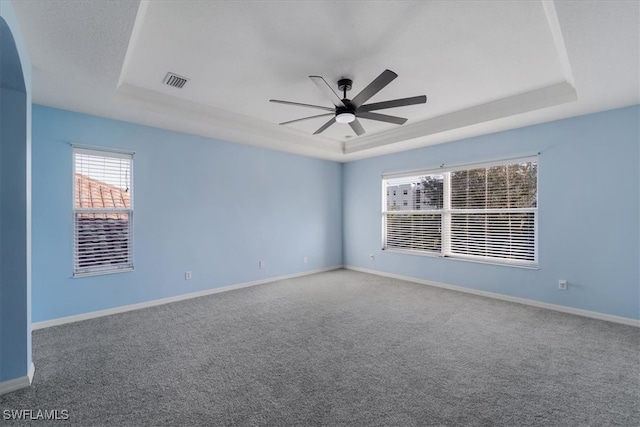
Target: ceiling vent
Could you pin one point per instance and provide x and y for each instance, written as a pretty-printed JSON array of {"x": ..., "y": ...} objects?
[{"x": 175, "y": 80}]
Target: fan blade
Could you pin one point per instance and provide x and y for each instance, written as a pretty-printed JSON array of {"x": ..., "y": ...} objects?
[
  {"x": 394, "y": 103},
  {"x": 374, "y": 87},
  {"x": 306, "y": 118},
  {"x": 328, "y": 92},
  {"x": 320, "y": 107},
  {"x": 325, "y": 126},
  {"x": 357, "y": 127},
  {"x": 382, "y": 117}
]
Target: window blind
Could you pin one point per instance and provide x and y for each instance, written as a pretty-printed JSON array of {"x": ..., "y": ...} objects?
[
  {"x": 103, "y": 212},
  {"x": 413, "y": 212},
  {"x": 493, "y": 212}
]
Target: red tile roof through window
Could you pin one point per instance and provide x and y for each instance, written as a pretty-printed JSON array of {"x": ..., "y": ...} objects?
[{"x": 91, "y": 193}]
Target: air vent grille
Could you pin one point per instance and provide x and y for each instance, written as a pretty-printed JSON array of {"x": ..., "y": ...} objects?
[{"x": 175, "y": 80}]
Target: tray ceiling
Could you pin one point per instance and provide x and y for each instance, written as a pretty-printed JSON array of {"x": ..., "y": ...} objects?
[{"x": 485, "y": 66}]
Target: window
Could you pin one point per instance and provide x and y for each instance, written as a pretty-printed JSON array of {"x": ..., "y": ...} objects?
[
  {"x": 102, "y": 212},
  {"x": 486, "y": 213}
]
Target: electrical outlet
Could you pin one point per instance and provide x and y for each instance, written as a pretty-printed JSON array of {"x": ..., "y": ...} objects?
[
  {"x": 562, "y": 285},
  {"x": 305, "y": 260},
  {"x": 371, "y": 257},
  {"x": 187, "y": 275},
  {"x": 261, "y": 264}
]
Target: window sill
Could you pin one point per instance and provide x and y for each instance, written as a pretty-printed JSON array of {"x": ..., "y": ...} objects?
[{"x": 101, "y": 273}]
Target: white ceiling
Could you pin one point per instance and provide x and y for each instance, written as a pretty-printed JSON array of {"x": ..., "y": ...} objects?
[{"x": 485, "y": 66}]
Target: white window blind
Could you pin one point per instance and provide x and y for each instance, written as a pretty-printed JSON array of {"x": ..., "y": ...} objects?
[
  {"x": 484, "y": 213},
  {"x": 417, "y": 224},
  {"x": 102, "y": 212}
]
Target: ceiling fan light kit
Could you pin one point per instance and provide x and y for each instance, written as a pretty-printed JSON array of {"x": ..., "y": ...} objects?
[
  {"x": 345, "y": 117},
  {"x": 348, "y": 111}
]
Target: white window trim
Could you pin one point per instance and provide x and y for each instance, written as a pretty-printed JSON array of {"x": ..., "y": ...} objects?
[
  {"x": 447, "y": 211},
  {"x": 104, "y": 152}
]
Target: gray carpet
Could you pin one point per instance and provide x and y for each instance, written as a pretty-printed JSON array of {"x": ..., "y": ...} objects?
[{"x": 339, "y": 348}]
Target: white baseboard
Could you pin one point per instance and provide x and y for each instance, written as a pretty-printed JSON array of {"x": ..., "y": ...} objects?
[
  {"x": 18, "y": 383},
  {"x": 548, "y": 306},
  {"x": 92, "y": 315},
  {"x": 32, "y": 372}
]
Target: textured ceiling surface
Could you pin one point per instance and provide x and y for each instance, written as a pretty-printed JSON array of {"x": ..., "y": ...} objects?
[{"x": 485, "y": 66}]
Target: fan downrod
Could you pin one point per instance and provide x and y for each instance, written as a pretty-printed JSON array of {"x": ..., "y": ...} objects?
[{"x": 345, "y": 85}]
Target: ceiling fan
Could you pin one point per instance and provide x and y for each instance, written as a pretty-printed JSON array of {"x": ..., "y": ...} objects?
[{"x": 350, "y": 110}]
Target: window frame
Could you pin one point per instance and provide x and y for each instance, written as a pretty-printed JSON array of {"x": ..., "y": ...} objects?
[
  {"x": 107, "y": 153},
  {"x": 447, "y": 212}
]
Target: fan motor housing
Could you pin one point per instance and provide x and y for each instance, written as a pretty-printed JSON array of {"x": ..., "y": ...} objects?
[{"x": 348, "y": 108}]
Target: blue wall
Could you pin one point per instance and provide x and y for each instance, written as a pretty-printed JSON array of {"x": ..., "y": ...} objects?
[
  {"x": 15, "y": 198},
  {"x": 223, "y": 207},
  {"x": 588, "y": 195},
  {"x": 203, "y": 205}
]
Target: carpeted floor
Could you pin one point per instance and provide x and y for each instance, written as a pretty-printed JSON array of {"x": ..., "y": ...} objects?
[{"x": 340, "y": 348}]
